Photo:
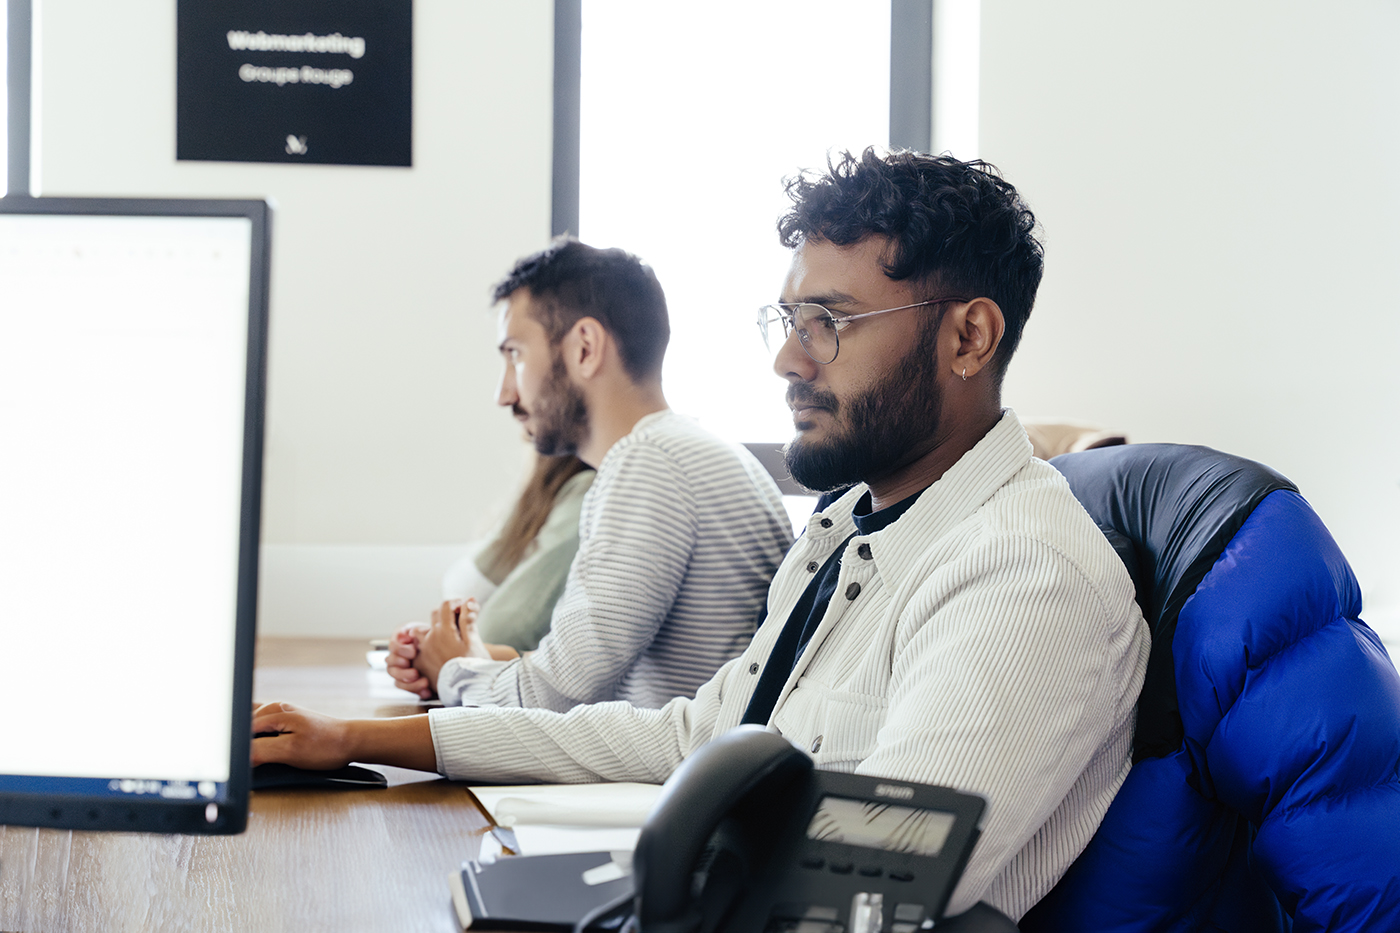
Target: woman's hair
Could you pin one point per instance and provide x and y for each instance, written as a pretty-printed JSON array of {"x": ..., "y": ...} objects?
[{"x": 529, "y": 515}]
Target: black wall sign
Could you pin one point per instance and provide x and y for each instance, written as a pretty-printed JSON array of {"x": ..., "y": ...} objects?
[{"x": 328, "y": 81}]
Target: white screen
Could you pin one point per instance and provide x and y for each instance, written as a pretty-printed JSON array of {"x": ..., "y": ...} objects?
[
  {"x": 122, "y": 379},
  {"x": 873, "y": 825}
]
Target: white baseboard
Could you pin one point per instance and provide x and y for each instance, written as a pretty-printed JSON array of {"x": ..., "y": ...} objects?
[{"x": 342, "y": 591}]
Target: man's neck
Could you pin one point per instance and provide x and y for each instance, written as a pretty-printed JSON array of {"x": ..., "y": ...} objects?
[
  {"x": 614, "y": 414},
  {"x": 928, "y": 466}
]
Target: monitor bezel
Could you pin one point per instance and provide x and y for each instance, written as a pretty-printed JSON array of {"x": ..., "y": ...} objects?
[{"x": 142, "y": 813}]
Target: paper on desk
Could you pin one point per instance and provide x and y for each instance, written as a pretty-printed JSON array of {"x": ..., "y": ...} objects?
[{"x": 550, "y": 819}]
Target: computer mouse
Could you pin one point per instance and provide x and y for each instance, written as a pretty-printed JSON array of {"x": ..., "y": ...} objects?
[{"x": 351, "y": 777}]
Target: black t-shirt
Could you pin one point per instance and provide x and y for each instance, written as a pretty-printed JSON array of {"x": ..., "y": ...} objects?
[{"x": 810, "y": 608}]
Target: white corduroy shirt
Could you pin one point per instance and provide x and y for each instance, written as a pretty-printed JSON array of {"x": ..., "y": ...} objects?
[{"x": 993, "y": 645}]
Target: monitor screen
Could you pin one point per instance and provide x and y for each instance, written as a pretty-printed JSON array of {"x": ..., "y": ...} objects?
[{"x": 132, "y": 359}]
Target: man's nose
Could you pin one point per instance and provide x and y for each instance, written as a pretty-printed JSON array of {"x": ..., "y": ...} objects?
[
  {"x": 792, "y": 362},
  {"x": 506, "y": 394}
]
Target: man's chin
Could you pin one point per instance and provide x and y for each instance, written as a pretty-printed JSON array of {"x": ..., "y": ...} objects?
[{"x": 810, "y": 461}]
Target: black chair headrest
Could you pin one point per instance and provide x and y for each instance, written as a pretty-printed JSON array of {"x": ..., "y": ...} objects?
[{"x": 1169, "y": 510}]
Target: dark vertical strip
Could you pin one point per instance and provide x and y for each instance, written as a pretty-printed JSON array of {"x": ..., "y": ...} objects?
[
  {"x": 911, "y": 74},
  {"x": 18, "y": 81},
  {"x": 568, "y": 59}
]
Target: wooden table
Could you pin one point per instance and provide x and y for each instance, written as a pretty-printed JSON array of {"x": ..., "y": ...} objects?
[{"x": 310, "y": 860}]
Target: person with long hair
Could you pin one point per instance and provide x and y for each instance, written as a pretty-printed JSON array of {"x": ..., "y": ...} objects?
[{"x": 526, "y": 563}]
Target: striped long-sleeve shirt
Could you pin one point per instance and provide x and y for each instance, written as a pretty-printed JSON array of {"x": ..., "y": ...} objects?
[
  {"x": 992, "y": 645},
  {"x": 679, "y": 537}
]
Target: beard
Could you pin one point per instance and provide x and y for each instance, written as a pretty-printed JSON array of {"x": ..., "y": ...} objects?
[
  {"x": 875, "y": 431},
  {"x": 561, "y": 414}
]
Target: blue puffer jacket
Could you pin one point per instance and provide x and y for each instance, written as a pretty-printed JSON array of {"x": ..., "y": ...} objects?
[{"x": 1265, "y": 793}]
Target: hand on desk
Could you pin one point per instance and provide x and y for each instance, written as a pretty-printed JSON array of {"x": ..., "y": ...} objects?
[
  {"x": 403, "y": 649},
  {"x": 417, "y": 652},
  {"x": 304, "y": 738},
  {"x": 452, "y": 634},
  {"x": 312, "y": 740}
]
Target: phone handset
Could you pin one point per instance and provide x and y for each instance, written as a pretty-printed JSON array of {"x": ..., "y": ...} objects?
[{"x": 716, "y": 831}]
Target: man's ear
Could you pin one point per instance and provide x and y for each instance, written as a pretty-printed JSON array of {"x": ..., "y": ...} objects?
[
  {"x": 586, "y": 347},
  {"x": 978, "y": 326}
]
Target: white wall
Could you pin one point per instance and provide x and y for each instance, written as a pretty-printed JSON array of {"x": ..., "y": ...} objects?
[
  {"x": 1219, "y": 185},
  {"x": 381, "y": 428}
]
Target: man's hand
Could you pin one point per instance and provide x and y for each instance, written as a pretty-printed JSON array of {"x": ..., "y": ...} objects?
[
  {"x": 403, "y": 650},
  {"x": 304, "y": 738},
  {"x": 452, "y": 634},
  {"x": 323, "y": 743}
]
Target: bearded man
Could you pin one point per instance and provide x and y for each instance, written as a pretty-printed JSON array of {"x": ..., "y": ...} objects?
[
  {"x": 953, "y": 618},
  {"x": 679, "y": 535}
]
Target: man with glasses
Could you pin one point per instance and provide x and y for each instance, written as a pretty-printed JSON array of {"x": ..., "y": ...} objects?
[{"x": 954, "y": 617}]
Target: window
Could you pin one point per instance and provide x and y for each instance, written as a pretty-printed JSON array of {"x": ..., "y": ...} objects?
[
  {"x": 5, "y": 99},
  {"x": 691, "y": 115}
]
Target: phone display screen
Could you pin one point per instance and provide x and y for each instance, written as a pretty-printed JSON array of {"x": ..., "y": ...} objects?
[{"x": 885, "y": 826}]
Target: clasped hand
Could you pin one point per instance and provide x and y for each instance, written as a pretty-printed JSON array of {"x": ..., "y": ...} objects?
[{"x": 417, "y": 651}]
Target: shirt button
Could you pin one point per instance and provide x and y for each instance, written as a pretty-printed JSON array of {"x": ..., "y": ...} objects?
[
  {"x": 826, "y": 523},
  {"x": 853, "y": 591},
  {"x": 753, "y": 668},
  {"x": 816, "y": 745},
  {"x": 812, "y": 566},
  {"x": 864, "y": 552}
]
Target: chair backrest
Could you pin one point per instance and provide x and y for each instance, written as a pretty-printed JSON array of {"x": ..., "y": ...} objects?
[
  {"x": 1266, "y": 785},
  {"x": 1169, "y": 510}
]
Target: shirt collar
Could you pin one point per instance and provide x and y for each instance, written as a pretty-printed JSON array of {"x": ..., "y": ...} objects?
[{"x": 958, "y": 493}]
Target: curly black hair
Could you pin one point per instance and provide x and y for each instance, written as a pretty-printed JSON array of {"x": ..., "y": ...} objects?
[
  {"x": 569, "y": 280},
  {"x": 956, "y": 228}
]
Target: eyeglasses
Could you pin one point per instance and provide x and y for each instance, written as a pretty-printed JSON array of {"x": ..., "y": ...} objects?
[{"x": 818, "y": 329}]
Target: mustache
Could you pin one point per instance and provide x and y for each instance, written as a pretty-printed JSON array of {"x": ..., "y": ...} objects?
[
  {"x": 801, "y": 395},
  {"x": 519, "y": 412}
]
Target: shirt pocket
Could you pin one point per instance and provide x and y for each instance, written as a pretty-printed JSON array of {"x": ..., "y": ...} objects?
[{"x": 837, "y": 728}]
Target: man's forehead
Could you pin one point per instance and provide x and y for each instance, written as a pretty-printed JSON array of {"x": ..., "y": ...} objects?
[
  {"x": 514, "y": 318},
  {"x": 823, "y": 271}
]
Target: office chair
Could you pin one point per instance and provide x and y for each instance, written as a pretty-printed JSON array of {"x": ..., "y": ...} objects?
[{"x": 1264, "y": 794}]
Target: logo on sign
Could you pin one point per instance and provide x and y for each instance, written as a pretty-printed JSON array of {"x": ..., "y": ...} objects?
[
  {"x": 296, "y": 145},
  {"x": 893, "y": 790}
]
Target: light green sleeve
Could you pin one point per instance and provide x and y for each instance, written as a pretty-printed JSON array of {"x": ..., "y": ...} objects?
[{"x": 519, "y": 611}]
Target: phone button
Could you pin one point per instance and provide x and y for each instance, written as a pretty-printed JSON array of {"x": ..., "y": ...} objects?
[
  {"x": 909, "y": 913},
  {"x": 841, "y": 868},
  {"x": 901, "y": 876},
  {"x": 812, "y": 863},
  {"x": 870, "y": 871}
]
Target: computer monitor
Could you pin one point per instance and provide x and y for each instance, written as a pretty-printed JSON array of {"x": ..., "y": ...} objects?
[{"x": 133, "y": 339}]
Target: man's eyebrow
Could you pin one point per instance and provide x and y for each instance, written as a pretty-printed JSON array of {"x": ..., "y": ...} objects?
[{"x": 825, "y": 299}]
